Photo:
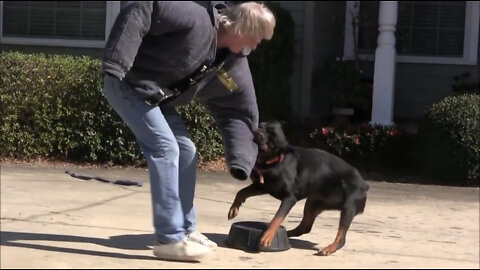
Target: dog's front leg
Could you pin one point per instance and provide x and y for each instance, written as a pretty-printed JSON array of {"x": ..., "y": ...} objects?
[
  {"x": 285, "y": 207},
  {"x": 242, "y": 195}
]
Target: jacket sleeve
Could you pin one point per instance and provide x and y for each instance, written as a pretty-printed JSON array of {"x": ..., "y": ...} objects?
[
  {"x": 236, "y": 115},
  {"x": 131, "y": 25}
]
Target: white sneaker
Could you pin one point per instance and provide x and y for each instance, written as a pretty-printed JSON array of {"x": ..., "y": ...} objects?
[
  {"x": 181, "y": 251},
  {"x": 199, "y": 238}
]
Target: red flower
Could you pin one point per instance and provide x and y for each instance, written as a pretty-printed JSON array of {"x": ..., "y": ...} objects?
[
  {"x": 394, "y": 132},
  {"x": 324, "y": 131}
]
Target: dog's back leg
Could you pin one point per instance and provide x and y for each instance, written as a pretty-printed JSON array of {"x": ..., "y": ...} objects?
[
  {"x": 346, "y": 218},
  {"x": 348, "y": 212},
  {"x": 310, "y": 212}
]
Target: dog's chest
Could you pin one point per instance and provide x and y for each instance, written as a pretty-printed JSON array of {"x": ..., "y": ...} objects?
[{"x": 276, "y": 185}]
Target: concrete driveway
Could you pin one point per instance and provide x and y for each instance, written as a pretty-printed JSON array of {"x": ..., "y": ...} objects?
[{"x": 52, "y": 220}]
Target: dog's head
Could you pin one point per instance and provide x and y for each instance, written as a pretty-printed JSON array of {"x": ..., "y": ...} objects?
[{"x": 270, "y": 139}]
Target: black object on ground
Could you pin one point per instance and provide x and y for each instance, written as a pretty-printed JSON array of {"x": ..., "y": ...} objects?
[
  {"x": 104, "y": 180},
  {"x": 245, "y": 235}
]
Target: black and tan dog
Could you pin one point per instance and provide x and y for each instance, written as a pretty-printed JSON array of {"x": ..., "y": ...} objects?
[{"x": 291, "y": 173}]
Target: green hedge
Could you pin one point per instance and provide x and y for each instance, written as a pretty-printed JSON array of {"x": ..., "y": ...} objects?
[
  {"x": 449, "y": 137},
  {"x": 52, "y": 106}
]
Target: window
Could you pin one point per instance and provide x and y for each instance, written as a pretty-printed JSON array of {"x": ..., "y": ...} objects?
[
  {"x": 57, "y": 23},
  {"x": 426, "y": 31}
]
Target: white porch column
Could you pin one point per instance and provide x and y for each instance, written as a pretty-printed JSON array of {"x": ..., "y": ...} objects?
[{"x": 384, "y": 72}]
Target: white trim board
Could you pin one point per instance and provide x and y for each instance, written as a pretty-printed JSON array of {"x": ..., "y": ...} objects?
[
  {"x": 112, "y": 10},
  {"x": 470, "y": 43}
]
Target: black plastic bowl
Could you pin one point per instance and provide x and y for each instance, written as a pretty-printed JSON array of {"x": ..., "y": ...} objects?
[{"x": 245, "y": 235}]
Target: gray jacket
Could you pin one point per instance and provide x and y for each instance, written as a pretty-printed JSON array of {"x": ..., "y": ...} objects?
[{"x": 154, "y": 44}]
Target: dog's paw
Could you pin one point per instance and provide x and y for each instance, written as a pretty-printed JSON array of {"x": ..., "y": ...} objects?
[
  {"x": 265, "y": 240},
  {"x": 327, "y": 250},
  {"x": 233, "y": 212}
]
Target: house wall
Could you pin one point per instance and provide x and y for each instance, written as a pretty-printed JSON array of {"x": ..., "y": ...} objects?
[{"x": 418, "y": 86}]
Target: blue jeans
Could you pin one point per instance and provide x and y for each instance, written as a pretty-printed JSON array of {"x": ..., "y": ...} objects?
[{"x": 171, "y": 159}]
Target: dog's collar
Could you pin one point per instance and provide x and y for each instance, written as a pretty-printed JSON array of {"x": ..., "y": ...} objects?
[
  {"x": 276, "y": 159},
  {"x": 267, "y": 168}
]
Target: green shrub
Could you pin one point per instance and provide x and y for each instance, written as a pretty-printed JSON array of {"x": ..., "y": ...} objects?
[
  {"x": 271, "y": 66},
  {"x": 449, "y": 137},
  {"x": 203, "y": 131},
  {"x": 52, "y": 106}
]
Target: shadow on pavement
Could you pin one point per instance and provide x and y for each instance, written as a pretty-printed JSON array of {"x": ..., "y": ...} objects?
[
  {"x": 126, "y": 242},
  {"x": 221, "y": 239},
  {"x": 302, "y": 244},
  {"x": 129, "y": 242}
]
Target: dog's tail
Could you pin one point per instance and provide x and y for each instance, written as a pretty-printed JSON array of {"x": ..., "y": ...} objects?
[{"x": 359, "y": 181}]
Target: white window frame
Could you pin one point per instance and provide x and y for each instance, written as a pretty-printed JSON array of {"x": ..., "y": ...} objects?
[
  {"x": 470, "y": 42},
  {"x": 112, "y": 10}
]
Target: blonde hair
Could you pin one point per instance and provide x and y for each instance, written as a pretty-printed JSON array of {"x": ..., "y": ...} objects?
[{"x": 249, "y": 19}]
